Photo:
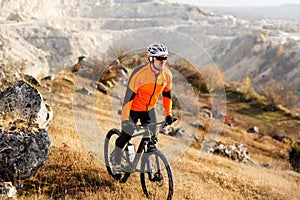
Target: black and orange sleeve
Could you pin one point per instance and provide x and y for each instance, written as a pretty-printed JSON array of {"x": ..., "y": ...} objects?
[
  {"x": 167, "y": 97},
  {"x": 129, "y": 96}
]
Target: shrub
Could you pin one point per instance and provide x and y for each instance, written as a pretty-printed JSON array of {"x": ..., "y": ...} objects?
[
  {"x": 191, "y": 73},
  {"x": 206, "y": 80}
]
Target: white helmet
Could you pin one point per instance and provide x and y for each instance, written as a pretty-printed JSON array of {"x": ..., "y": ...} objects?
[{"x": 157, "y": 49}]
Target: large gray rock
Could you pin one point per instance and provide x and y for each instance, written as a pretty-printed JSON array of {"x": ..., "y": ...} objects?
[
  {"x": 24, "y": 101},
  {"x": 21, "y": 153},
  {"x": 24, "y": 141}
]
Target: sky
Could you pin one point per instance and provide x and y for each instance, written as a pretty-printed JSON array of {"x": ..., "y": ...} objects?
[{"x": 237, "y": 2}]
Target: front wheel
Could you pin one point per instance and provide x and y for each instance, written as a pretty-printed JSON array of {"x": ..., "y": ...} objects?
[{"x": 156, "y": 176}]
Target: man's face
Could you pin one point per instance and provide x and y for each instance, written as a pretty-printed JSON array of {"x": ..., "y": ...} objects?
[{"x": 159, "y": 62}]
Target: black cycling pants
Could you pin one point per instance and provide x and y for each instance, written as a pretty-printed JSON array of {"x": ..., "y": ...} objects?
[{"x": 144, "y": 117}]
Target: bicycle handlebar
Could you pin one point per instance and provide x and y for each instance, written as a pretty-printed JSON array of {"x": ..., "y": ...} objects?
[{"x": 162, "y": 125}]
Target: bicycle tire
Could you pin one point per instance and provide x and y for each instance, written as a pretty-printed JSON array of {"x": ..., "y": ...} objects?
[
  {"x": 107, "y": 154},
  {"x": 153, "y": 176}
]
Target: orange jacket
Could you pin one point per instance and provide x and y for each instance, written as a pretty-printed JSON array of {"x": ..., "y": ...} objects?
[{"x": 144, "y": 88}]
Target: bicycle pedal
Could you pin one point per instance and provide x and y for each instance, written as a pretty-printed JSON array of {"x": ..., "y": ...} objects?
[
  {"x": 125, "y": 178},
  {"x": 117, "y": 176}
]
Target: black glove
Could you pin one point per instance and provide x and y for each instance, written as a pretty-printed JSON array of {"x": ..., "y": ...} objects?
[
  {"x": 128, "y": 127},
  {"x": 170, "y": 119}
]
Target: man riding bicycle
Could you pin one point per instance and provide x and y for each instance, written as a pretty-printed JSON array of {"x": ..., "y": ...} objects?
[{"x": 145, "y": 85}]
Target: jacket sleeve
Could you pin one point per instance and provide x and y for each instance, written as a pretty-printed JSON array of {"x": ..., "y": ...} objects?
[
  {"x": 129, "y": 96},
  {"x": 167, "y": 97}
]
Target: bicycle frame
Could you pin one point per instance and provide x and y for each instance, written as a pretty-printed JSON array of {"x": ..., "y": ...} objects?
[{"x": 146, "y": 134}]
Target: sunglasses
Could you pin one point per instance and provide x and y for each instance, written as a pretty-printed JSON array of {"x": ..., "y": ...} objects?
[{"x": 161, "y": 58}]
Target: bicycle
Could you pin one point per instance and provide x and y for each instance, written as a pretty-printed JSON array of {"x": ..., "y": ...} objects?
[{"x": 155, "y": 172}]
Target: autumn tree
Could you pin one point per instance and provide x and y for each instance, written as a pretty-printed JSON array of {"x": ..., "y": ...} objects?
[
  {"x": 213, "y": 77},
  {"x": 247, "y": 90}
]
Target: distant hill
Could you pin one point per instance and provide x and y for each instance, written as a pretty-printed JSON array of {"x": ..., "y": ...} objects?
[
  {"x": 283, "y": 12},
  {"x": 49, "y": 35}
]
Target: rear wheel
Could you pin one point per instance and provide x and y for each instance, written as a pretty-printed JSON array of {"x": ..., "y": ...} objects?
[
  {"x": 109, "y": 155},
  {"x": 156, "y": 176}
]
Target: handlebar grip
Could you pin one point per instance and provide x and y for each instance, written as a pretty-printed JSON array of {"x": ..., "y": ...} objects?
[{"x": 165, "y": 123}]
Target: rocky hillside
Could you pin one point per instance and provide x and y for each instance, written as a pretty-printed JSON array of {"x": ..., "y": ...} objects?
[{"x": 44, "y": 36}]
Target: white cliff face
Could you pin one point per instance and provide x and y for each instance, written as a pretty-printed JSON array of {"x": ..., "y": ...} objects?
[
  {"x": 41, "y": 36},
  {"x": 42, "y": 9}
]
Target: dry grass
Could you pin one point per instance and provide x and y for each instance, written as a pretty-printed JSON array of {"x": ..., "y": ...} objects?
[{"x": 71, "y": 172}]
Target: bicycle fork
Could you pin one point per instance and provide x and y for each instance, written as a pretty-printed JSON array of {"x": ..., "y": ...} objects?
[{"x": 157, "y": 176}]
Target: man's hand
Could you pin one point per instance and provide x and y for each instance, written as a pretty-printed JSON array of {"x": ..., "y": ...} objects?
[{"x": 170, "y": 119}]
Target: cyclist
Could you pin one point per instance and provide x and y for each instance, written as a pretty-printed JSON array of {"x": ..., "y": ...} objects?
[{"x": 145, "y": 85}]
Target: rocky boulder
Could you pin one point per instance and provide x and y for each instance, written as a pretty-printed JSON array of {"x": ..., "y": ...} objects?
[
  {"x": 24, "y": 140},
  {"x": 21, "y": 153},
  {"x": 233, "y": 151},
  {"x": 22, "y": 100}
]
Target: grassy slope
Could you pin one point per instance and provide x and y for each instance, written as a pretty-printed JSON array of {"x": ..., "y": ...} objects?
[{"x": 73, "y": 173}]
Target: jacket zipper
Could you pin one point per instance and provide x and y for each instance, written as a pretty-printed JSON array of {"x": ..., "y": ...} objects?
[{"x": 152, "y": 92}]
